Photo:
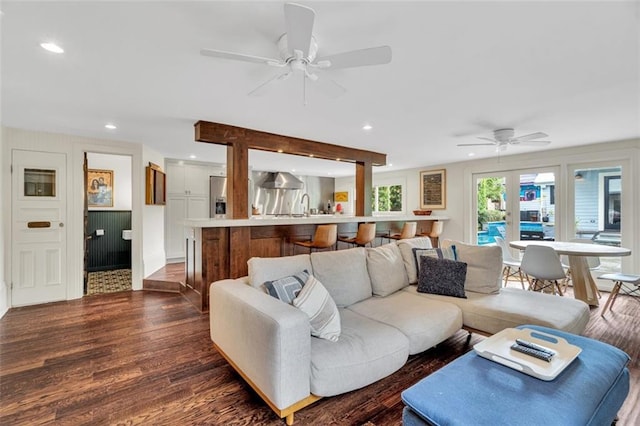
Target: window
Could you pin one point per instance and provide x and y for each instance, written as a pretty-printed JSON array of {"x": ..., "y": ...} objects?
[{"x": 387, "y": 199}]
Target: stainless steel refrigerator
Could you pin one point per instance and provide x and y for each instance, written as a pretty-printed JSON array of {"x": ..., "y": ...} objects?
[{"x": 218, "y": 197}]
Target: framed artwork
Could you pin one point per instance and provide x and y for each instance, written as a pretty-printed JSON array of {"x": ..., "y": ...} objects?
[
  {"x": 100, "y": 188},
  {"x": 341, "y": 196},
  {"x": 433, "y": 185}
]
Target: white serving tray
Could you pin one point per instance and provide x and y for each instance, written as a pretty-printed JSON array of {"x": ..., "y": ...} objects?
[{"x": 498, "y": 348}]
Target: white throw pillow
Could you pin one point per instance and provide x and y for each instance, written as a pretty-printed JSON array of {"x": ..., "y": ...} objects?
[
  {"x": 484, "y": 266},
  {"x": 324, "y": 318},
  {"x": 263, "y": 269},
  {"x": 386, "y": 269},
  {"x": 406, "y": 248}
]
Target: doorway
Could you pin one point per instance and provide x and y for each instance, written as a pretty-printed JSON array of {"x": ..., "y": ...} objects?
[
  {"x": 515, "y": 205},
  {"x": 107, "y": 223}
]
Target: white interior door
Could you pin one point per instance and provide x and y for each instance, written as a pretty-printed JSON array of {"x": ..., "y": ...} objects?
[{"x": 39, "y": 235}]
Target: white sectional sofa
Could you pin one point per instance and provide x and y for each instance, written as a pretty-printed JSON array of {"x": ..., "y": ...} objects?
[{"x": 383, "y": 319}]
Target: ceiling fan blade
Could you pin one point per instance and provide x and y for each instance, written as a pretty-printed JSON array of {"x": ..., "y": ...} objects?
[
  {"x": 299, "y": 23},
  {"x": 532, "y": 143},
  {"x": 329, "y": 87},
  {"x": 237, "y": 56},
  {"x": 529, "y": 137},
  {"x": 264, "y": 87},
  {"x": 488, "y": 139},
  {"x": 476, "y": 144},
  {"x": 359, "y": 58}
]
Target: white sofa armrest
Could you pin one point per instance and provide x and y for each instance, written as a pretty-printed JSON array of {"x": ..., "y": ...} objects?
[{"x": 268, "y": 341}]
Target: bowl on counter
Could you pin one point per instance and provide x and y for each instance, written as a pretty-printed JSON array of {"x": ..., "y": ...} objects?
[{"x": 422, "y": 212}]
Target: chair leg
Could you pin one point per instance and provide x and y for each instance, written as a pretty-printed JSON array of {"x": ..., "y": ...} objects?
[
  {"x": 612, "y": 297},
  {"x": 559, "y": 289},
  {"x": 521, "y": 280},
  {"x": 505, "y": 276}
]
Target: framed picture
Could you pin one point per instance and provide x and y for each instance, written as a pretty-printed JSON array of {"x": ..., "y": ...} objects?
[
  {"x": 100, "y": 188},
  {"x": 341, "y": 196},
  {"x": 433, "y": 185}
]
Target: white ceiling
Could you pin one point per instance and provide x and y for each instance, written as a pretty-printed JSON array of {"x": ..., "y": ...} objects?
[{"x": 459, "y": 70}]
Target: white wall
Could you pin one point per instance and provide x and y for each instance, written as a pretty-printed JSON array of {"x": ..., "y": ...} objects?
[
  {"x": 154, "y": 256},
  {"x": 4, "y": 290},
  {"x": 121, "y": 167}
]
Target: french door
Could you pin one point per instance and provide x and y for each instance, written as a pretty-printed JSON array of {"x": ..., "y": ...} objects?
[{"x": 515, "y": 205}]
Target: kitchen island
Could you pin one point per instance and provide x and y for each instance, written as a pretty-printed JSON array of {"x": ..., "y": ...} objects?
[{"x": 220, "y": 248}]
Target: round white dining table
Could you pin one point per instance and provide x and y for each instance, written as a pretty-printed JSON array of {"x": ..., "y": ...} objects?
[{"x": 584, "y": 287}]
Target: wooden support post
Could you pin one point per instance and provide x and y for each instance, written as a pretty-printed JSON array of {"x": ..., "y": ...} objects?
[
  {"x": 238, "y": 180},
  {"x": 364, "y": 186}
]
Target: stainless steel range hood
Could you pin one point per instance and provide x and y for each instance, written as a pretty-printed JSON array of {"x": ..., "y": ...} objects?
[{"x": 281, "y": 180}]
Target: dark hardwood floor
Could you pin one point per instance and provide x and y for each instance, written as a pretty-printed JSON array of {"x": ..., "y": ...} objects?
[{"x": 146, "y": 358}]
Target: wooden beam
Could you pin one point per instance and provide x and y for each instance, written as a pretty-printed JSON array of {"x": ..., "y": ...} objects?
[
  {"x": 224, "y": 134},
  {"x": 364, "y": 187},
  {"x": 237, "y": 180}
]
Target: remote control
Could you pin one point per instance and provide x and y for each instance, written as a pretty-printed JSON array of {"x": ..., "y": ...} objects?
[
  {"x": 532, "y": 345},
  {"x": 532, "y": 352}
]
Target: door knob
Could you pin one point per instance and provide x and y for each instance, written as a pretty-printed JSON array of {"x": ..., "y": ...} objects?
[{"x": 61, "y": 225}]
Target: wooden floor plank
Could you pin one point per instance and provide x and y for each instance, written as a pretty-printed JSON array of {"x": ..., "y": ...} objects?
[{"x": 147, "y": 358}]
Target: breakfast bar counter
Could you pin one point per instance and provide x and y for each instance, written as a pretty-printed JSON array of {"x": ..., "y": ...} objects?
[{"x": 220, "y": 248}]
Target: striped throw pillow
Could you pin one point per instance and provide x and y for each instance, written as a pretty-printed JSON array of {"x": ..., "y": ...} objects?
[
  {"x": 287, "y": 288},
  {"x": 324, "y": 318}
]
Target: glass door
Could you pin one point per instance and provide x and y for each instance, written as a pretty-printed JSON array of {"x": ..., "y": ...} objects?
[
  {"x": 597, "y": 213},
  {"x": 515, "y": 205}
]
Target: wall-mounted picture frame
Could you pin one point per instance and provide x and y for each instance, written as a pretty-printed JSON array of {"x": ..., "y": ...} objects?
[
  {"x": 100, "y": 188},
  {"x": 433, "y": 184},
  {"x": 342, "y": 196}
]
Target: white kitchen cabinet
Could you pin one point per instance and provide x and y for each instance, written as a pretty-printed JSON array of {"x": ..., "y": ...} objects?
[
  {"x": 177, "y": 209},
  {"x": 188, "y": 179},
  {"x": 187, "y": 198}
]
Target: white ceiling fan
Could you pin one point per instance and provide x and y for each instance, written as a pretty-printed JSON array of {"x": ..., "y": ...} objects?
[
  {"x": 298, "y": 49},
  {"x": 505, "y": 137}
]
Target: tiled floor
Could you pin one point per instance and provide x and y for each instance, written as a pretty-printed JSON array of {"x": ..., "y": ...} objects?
[{"x": 109, "y": 281}]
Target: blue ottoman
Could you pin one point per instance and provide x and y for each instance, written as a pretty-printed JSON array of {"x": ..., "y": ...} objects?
[{"x": 476, "y": 391}]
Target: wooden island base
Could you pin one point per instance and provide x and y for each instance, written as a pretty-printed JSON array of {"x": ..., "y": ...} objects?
[{"x": 216, "y": 251}]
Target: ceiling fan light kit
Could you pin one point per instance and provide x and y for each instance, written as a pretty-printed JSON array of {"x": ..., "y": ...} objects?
[
  {"x": 505, "y": 137},
  {"x": 298, "y": 49}
]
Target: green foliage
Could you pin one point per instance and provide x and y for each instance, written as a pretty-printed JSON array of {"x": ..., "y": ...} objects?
[
  {"x": 389, "y": 198},
  {"x": 489, "y": 189}
]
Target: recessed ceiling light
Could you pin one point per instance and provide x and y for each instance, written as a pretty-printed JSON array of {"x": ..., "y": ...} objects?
[
  {"x": 280, "y": 151},
  {"x": 52, "y": 47},
  {"x": 110, "y": 126},
  {"x": 192, "y": 156},
  {"x": 471, "y": 154},
  {"x": 293, "y": 170},
  {"x": 367, "y": 127}
]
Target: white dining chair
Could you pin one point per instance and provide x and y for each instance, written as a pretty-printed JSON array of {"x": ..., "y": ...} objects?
[
  {"x": 542, "y": 265},
  {"x": 629, "y": 283},
  {"x": 510, "y": 265}
]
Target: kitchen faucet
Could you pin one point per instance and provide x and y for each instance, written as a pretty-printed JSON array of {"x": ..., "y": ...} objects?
[{"x": 305, "y": 211}]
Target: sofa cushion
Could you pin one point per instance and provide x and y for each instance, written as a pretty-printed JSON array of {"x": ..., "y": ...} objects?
[
  {"x": 484, "y": 266},
  {"x": 386, "y": 269},
  {"x": 263, "y": 269},
  {"x": 436, "y": 252},
  {"x": 344, "y": 274},
  {"x": 367, "y": 351},
  {"x": 324, "y": 319},
  {"x": 287, "y": 288},
  {"x": 442, "y": 276},
  {"x": 425, "y": 322},
  {"x": 406, "y": 249},
  {"x": 511, "y": 307}
]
